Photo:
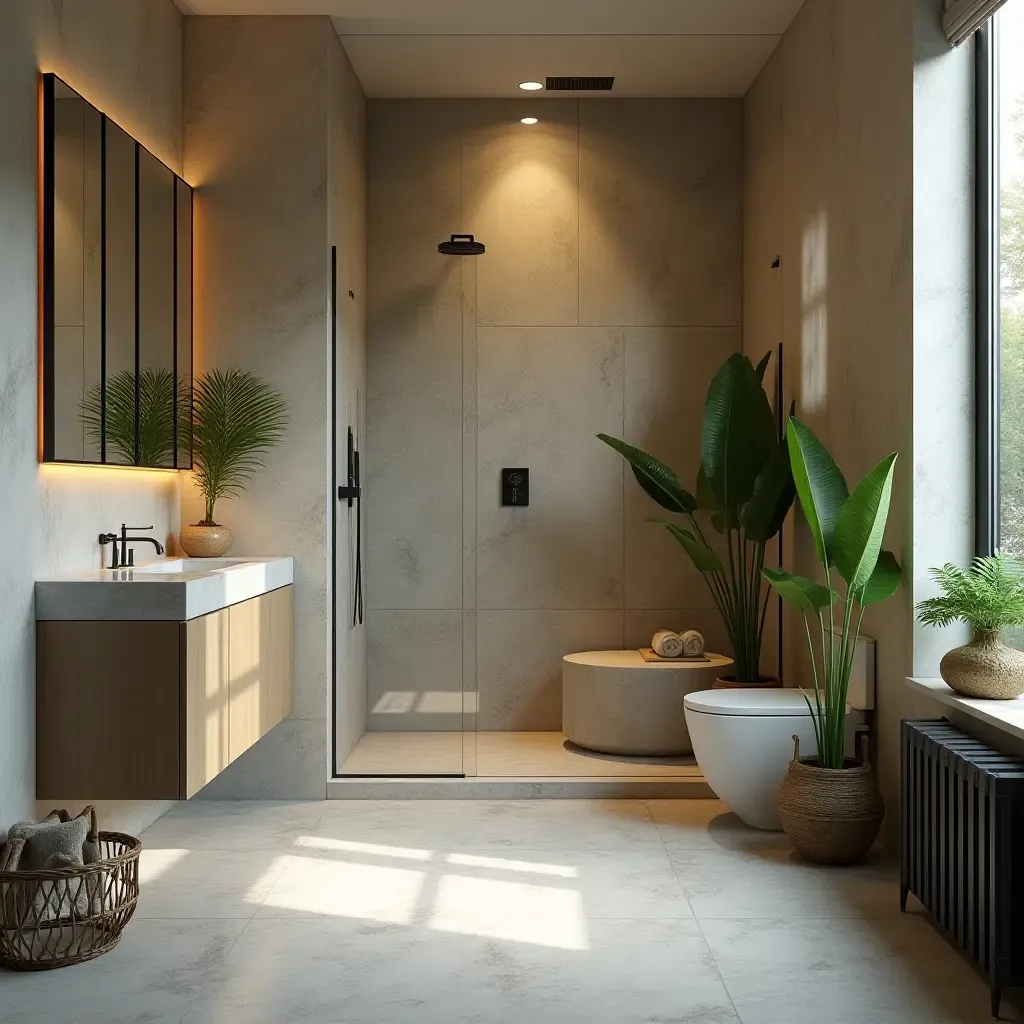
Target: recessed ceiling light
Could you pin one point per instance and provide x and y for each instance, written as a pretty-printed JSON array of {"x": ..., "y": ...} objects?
[
  {"x": 531, "y": 86},
  {"x": 528, "y": 120}
]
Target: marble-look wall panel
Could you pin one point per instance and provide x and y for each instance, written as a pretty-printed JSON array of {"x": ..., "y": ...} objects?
[
  {"x": 840, "y": 130},
  {"x": 413, "y": 463},
  {"x": 348, "y": 204},
  {"x": 520, "y": 662},
  {"x": 256, "y": 94},
  {"x": 414, "y": 152},
  {"x": 125, "y": 57},
  {"x": 667, "y": 373},
  {"x": 414, "y": 679},
  {"x": 544, "y": 393},
  {"x": 537, "y": 386},
  {"x": 522, "y": 200},
  {"x": 661, "y": 212}
]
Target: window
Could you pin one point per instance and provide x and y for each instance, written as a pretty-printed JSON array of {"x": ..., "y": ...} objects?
[{"x": 1001, "y": 283}]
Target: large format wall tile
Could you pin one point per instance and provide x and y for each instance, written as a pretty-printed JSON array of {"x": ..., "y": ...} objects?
[
  {"x": 414, "y": 680},
  {"x": 522, "y": 201},
  {"x": 667, "y": 373},
  {"x": 414, "y": 433},
  {"x": 415, "y": 175},
  {"x": 661, "y": 210},
  {"x": 519, "y": 670},
  {"x": 543, "y": 395}
]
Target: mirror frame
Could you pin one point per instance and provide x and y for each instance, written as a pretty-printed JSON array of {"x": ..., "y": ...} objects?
[{"x": 47, "y": 286}]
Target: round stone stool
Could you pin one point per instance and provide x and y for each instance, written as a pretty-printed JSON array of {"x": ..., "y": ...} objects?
[{"x": 617, "y": 703}]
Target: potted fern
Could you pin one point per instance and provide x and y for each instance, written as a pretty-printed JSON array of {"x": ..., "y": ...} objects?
[
  {"x": 831, "y": 807},
  {"x": 744, "y": 489},
  {"x": 236, "y": 417},
  {"x": 988, "y": 596}
]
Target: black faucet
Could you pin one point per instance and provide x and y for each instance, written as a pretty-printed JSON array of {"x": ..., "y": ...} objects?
[{"x": 128, "y": 557}]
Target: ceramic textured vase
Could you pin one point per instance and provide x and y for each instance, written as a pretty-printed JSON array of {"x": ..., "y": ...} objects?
[
  {"x": 831, "y": 815},
  {"x": 201, "y": 541},
  {"x": 985, "y": 667}
]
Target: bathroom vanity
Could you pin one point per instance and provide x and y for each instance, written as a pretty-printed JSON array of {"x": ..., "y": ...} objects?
[{"x": 151, "y": 680}]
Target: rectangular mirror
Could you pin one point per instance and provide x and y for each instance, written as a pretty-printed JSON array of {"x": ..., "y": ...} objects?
[{"x": 116, "y": 293}]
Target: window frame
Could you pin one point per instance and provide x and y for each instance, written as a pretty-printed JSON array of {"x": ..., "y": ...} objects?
[{"x": 987, "y": 289}]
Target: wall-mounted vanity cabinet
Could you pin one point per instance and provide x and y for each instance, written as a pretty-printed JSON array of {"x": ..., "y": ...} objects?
[
  {"x": 153, "y": 710},
  {"x": 116, "y": 293}
]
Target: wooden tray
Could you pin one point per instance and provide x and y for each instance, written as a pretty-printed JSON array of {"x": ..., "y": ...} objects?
[{"x": 648, "y": 655}]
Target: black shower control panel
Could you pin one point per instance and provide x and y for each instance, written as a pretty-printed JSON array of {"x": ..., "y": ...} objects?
[{"x": 515, "y": 487}]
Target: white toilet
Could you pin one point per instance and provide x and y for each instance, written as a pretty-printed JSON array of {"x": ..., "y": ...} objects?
[{"x": 743, "y": 742}]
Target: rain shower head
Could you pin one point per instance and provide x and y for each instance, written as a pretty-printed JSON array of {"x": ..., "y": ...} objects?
[{"x": 462, "y": 245}]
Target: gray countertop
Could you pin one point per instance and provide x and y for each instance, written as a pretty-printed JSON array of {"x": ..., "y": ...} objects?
[{"x": 168, "y": 588}]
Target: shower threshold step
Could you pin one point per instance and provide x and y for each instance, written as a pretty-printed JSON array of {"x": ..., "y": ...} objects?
[{"x": 627, "y": 787}]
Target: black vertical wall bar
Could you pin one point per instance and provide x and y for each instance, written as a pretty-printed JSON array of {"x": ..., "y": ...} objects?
[
  {"x": 47, "y": 283},
  {"x": 174, "y": 323},
  {"x": 334, "y": 510},
  {"x": 191, "y": 315},
  {"x": 781, "y": 420},
  {"x": 138, "y": 316},
  {"x": 987, "y": 357},
  {"x": 103, "y": 287}
]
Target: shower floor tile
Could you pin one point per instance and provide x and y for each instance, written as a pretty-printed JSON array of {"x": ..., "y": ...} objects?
[{"x": 500, "y": 755}]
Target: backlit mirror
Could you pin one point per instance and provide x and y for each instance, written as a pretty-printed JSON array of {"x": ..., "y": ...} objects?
[{"x": 117, "y": 293}]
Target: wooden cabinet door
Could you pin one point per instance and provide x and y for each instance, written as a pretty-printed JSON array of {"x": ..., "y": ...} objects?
[
  {"x": 248, "y": 658},
  {"x": 205, "y": 689},
  {"x": 277, "y": 696}
]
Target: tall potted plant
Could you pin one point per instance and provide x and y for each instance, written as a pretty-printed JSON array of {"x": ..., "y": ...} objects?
[
  {"x": 744, "y": 489},
  {"x": 830, "y": 806},
  {"x": 236, "y": 417},
  {"x": 988, "y": 596}
]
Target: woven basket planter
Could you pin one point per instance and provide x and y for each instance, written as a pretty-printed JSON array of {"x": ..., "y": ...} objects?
[
  {"x": 63, "y": 916},
  {"x": 831, "y": 815}
]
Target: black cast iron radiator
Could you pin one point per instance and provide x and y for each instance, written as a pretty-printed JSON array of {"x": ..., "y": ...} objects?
[{"x": 963, "y": 844}]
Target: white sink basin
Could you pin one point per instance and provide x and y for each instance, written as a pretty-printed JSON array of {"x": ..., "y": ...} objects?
[
  {"x": 191, "y": 565},
  {"x": 167, "y": 588}
]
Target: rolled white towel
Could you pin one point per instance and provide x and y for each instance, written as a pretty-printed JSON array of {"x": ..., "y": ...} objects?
[
  {"x": 693, "y": 643},
  {"x": 667, "y": 644}
]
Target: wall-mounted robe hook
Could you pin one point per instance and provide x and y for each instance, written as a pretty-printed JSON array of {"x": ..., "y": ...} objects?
[{"x": 776, "y": 263}]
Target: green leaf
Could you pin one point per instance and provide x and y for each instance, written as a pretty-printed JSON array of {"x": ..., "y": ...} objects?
[
  {"x": 861, "y": 524},
  {"x": 708, "y": 501},
  {"x": 883, "y": 582},
  {"x": 819, "y": 486},
  {"x": 798, "y": 591},
  {"x": 772, "y": 499},
  {"x": 738, "y": 432},
  {"x": 703, "y": 557},
  {"x": 657, "y": 480},
  {"x": 763, "y": 366},
  {"x": 236, "y": 417}
]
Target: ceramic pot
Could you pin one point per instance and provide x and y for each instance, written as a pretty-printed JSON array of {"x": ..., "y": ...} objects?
[
  {"x": 205, "y": 541},
  {"x": 831, "y": 815},
  {"x": 729, "y": 683},
  {"x": 985, "y": 667}
]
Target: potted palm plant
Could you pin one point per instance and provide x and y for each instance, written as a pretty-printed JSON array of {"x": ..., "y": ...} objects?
[
  {"x": 744, "y": 489},
  {"x": 236, "y": 417},
  {"x": 988, "y": 596},
  {"x": 831, "y": 807}
]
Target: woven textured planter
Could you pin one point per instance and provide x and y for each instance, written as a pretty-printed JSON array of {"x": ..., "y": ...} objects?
[
  {"x": 63, "y": 916},
  {"x": 831, "y": 815},
  {"x": 985, "y": 668}
]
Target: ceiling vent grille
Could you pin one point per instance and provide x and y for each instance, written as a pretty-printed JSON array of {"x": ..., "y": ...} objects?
[{"x": 580, "y": 84}]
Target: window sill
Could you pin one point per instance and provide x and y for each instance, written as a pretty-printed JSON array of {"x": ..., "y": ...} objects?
[{"x": 1005, "y": 715}]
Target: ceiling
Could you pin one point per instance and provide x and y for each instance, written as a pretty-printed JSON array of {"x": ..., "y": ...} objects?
[{"x": 484, "y": 48}]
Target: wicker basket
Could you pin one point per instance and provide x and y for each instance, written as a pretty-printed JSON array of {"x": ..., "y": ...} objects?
[
  {"x": 831, "y": 815},
  {"x": 63, "y": 916}
]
